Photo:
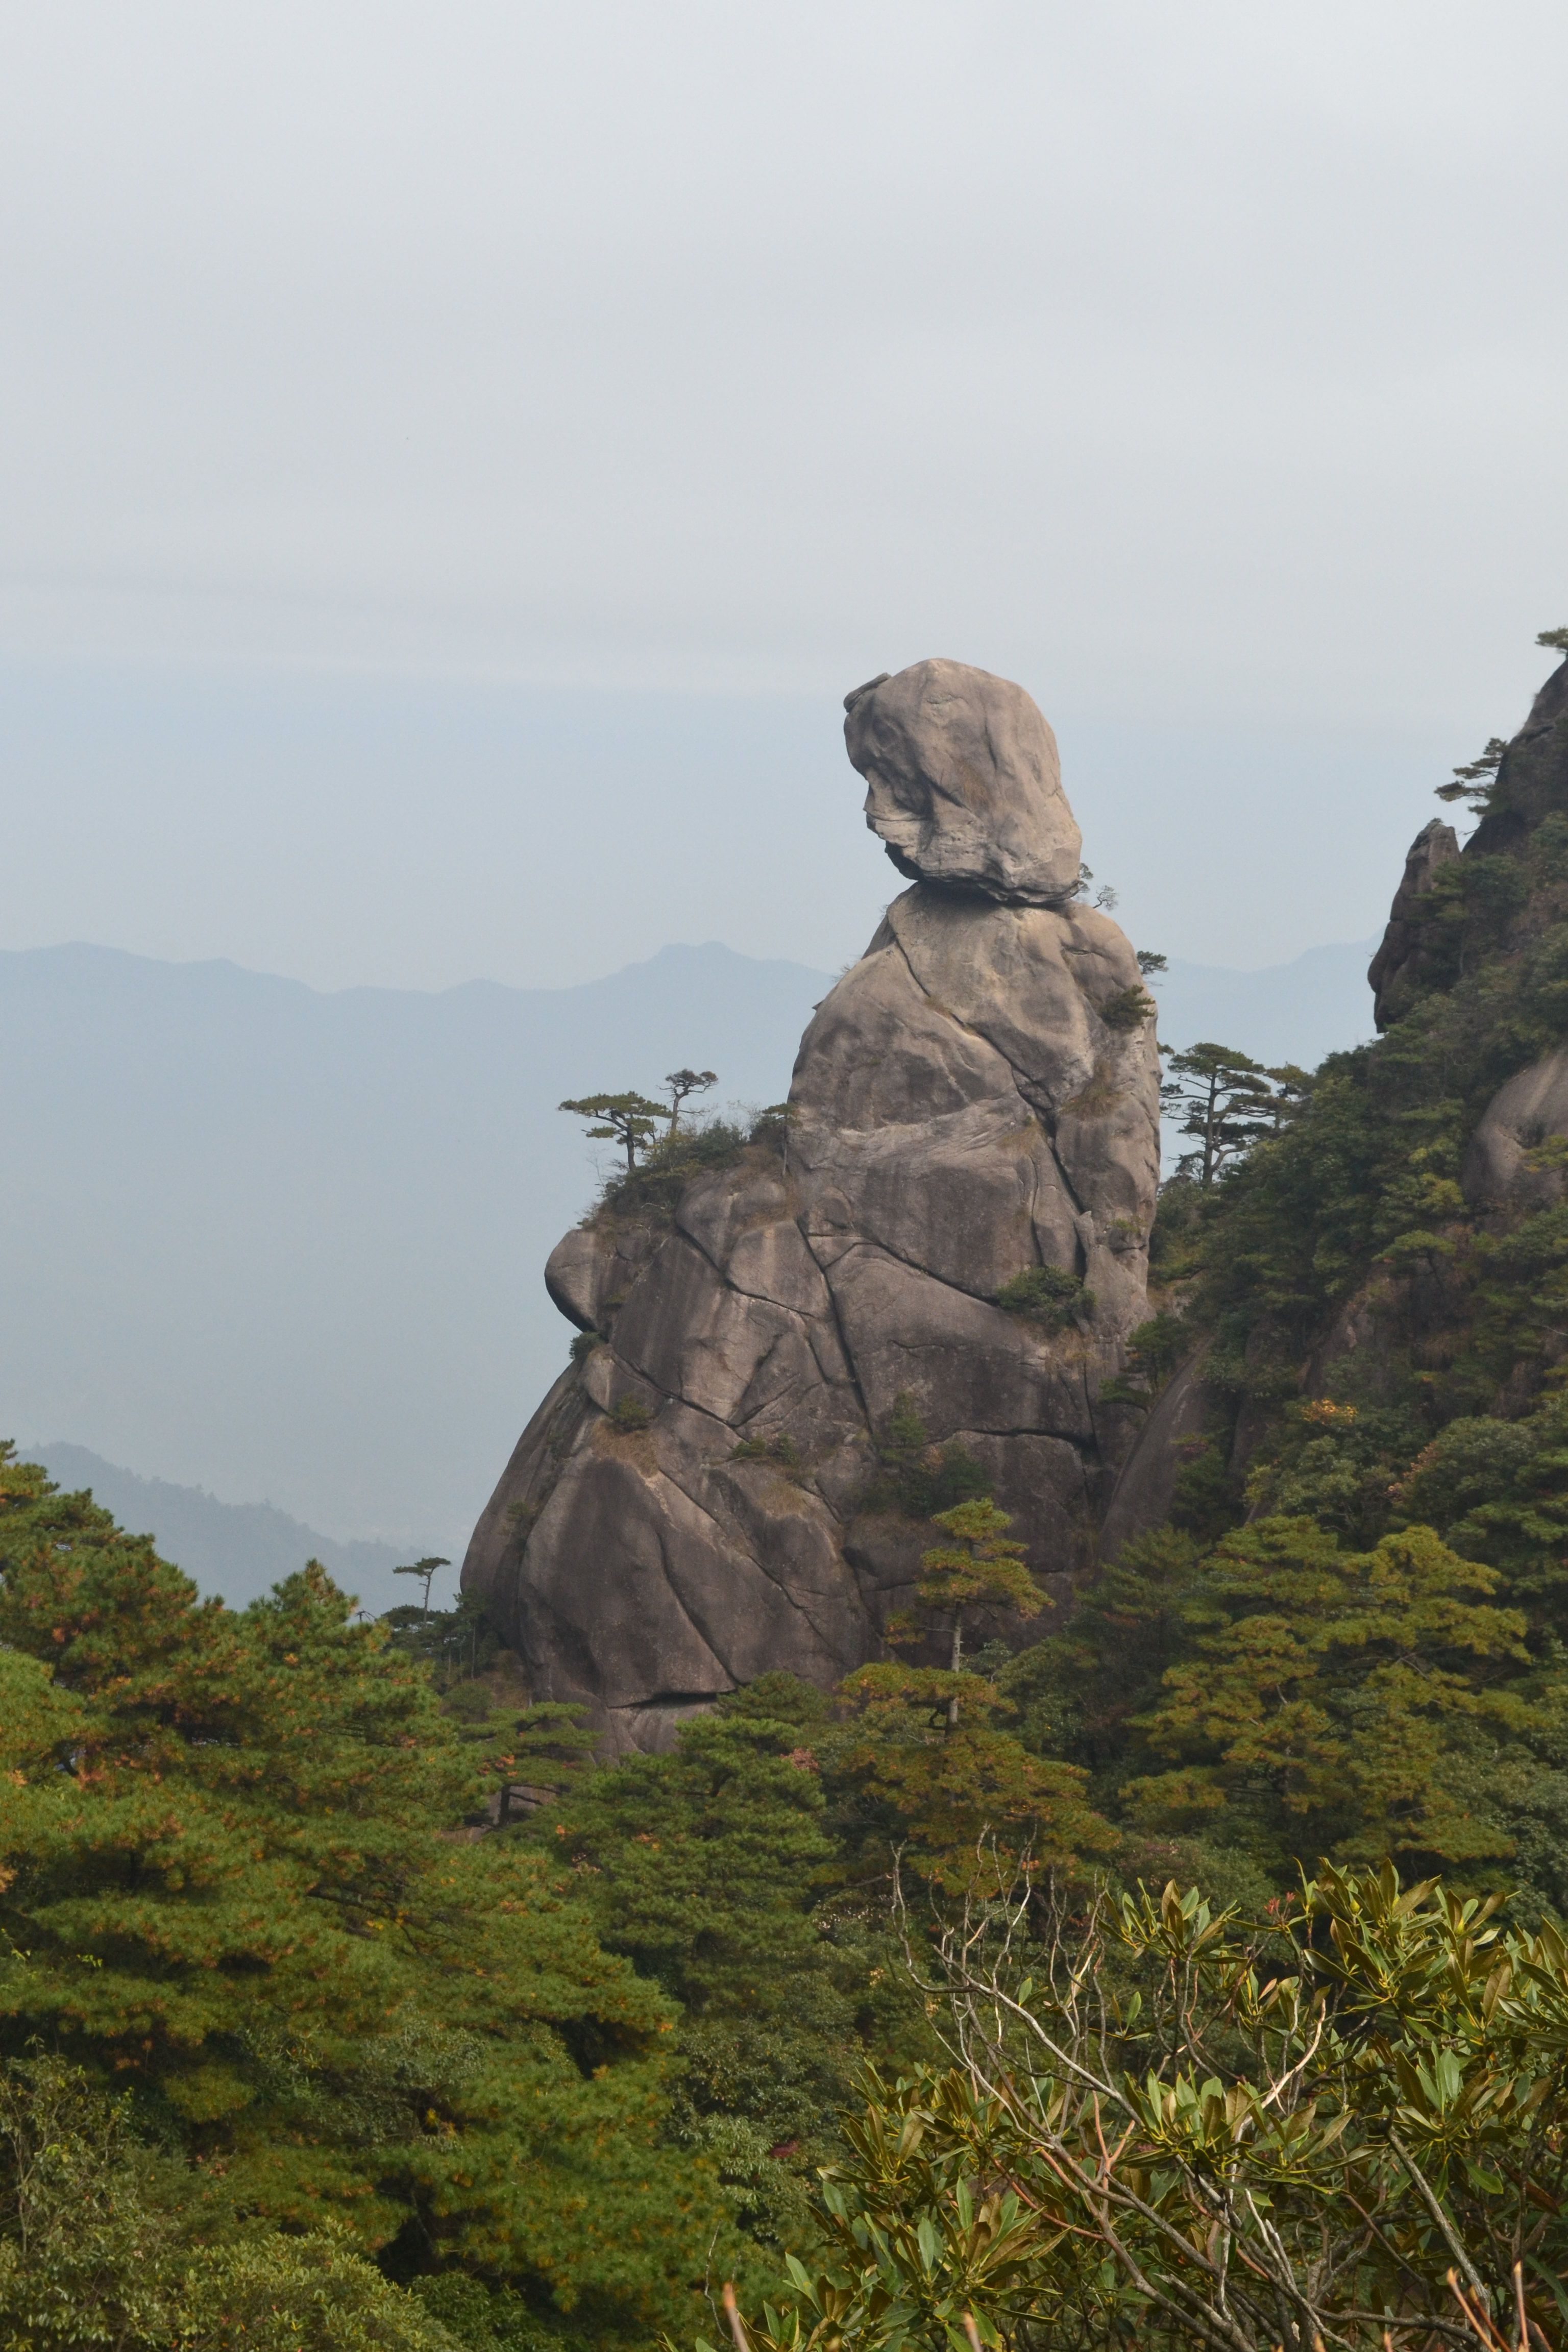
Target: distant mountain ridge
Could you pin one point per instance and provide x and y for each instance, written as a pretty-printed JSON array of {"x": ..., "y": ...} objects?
[
  {"x": 238, "y": 1550},
  {"x": 277, "y": 1242},
  {"x": 1297, "y": 1011},
  {"x": 264, "y": 1241}
]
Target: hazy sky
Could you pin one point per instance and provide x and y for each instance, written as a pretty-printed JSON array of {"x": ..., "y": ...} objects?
[{"x": 454, "y": 459}]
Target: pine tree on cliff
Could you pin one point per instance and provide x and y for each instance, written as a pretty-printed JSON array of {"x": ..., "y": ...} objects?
[
  {"x": 628, "y": 1119},
  {"x": 679, "y": 1084},
  {"x": 425, "y": 1570},
  {"x": 1226, "y": 1098}
]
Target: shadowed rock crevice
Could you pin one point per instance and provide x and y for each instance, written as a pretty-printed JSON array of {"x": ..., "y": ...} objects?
[{"x": 960, "y": 1113}]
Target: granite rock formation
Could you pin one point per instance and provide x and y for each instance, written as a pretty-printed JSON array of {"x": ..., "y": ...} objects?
[
  {"x": 1502, "y": 1176},
  {"x": 964, "y": 784},
  {"x": 977, "y": 1096},
  {"x": 1184, "y": 1412},
  {"x": 1396, "y": 963},
  {"x": 1531, "y": 1107},
  {"x": 1528, "y": 1109}
]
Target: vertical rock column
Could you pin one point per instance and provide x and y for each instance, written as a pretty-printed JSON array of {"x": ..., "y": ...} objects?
[{"x": 977, "y": 1096}]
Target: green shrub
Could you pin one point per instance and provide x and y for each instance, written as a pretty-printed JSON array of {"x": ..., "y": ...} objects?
[
  {"x": 1130, "y": 1008},
  {"x": 1365, "y": 2083},
  {"x": 782, "y": 1451},
  {"x": 1045, "y": 1294},
  {"x": 489, "y": 2319},
  {"x": 105, "y": 2240},
  {"x": 268, "y": 2293},
  {"x": 1153, "y": 1351},
  {"x": 658, "y": 1181},
  {"x": 915, "y": 1478}
]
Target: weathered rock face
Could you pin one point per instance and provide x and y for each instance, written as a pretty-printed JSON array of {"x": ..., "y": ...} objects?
[
  {"x": 963, "y": 783},
  {"x": 1146, "y": 1488},
  {"x": 1528, "y": 1109},
  {"x": 961, "y": 1112}
]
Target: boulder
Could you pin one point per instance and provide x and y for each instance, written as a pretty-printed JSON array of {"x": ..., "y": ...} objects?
[
  {"x": 964, "y": 784},
  {"x": 698, "y": 1499}
]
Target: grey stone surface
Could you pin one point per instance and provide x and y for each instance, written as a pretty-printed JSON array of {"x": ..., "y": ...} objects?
[
  {"x": 593, "y": 1267},
  {"x": 1147, "y": 1486},
  {"x": 1528, "y": 1109},
  {"x": 963, "y": 783},
  {"x": 1047, "y": 1478},
  {"x": 961, "y": 1112},
  {"x": 1532, "y": 777}
]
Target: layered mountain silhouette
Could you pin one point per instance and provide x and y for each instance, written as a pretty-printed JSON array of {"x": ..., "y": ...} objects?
[{"x": 238, "y": 1550}]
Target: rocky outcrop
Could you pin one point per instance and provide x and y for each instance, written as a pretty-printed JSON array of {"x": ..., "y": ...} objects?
[
  {"x": 978, "y": 1098},
  {"x": 1530, "y": 786},
  {"x": 1185, "y": 1409},
  {"x": 1531, "y": 1109},
  {"x": 1532, "y": 780},
  {"x": 1413, "y": 1317},
  {"x": 1389, "y": 974},
  {"x": 964, "y": 784},
  {"x": 1528, "y": 1109}
]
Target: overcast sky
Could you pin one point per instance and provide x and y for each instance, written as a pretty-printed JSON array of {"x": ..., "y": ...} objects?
[{"x": 455, "y": 459}]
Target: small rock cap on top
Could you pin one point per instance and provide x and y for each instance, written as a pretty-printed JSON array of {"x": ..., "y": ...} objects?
[{"x": 964, "y": 784}]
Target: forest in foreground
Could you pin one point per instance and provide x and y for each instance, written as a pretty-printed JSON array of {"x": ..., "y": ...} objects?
[{"x": 1193, "y": 1974}]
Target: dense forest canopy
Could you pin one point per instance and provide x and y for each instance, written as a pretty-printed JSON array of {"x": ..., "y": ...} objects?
[{"x": 1186, "y": 1967}]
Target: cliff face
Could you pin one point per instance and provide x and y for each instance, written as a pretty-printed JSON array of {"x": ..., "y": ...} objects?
[
  {"x": 1388, "y": 1249},
  {"x": 1394, "y": 973},
  {"x": 1422, "y": 950},
  {"x": 978, "y": 1098}
]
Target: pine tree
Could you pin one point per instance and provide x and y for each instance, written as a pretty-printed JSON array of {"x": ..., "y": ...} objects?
[
  {"x": 1326, "y": 1698},
  {"x": 923, "y": 1759},
  {"x": 959, "y": 1799},
  {"x": 629, "y": 1119},
  {"x": 1227, "y": 1099},
  {"x": 230, "y": 1885},
  {"x": 982, "y": 1566}
]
